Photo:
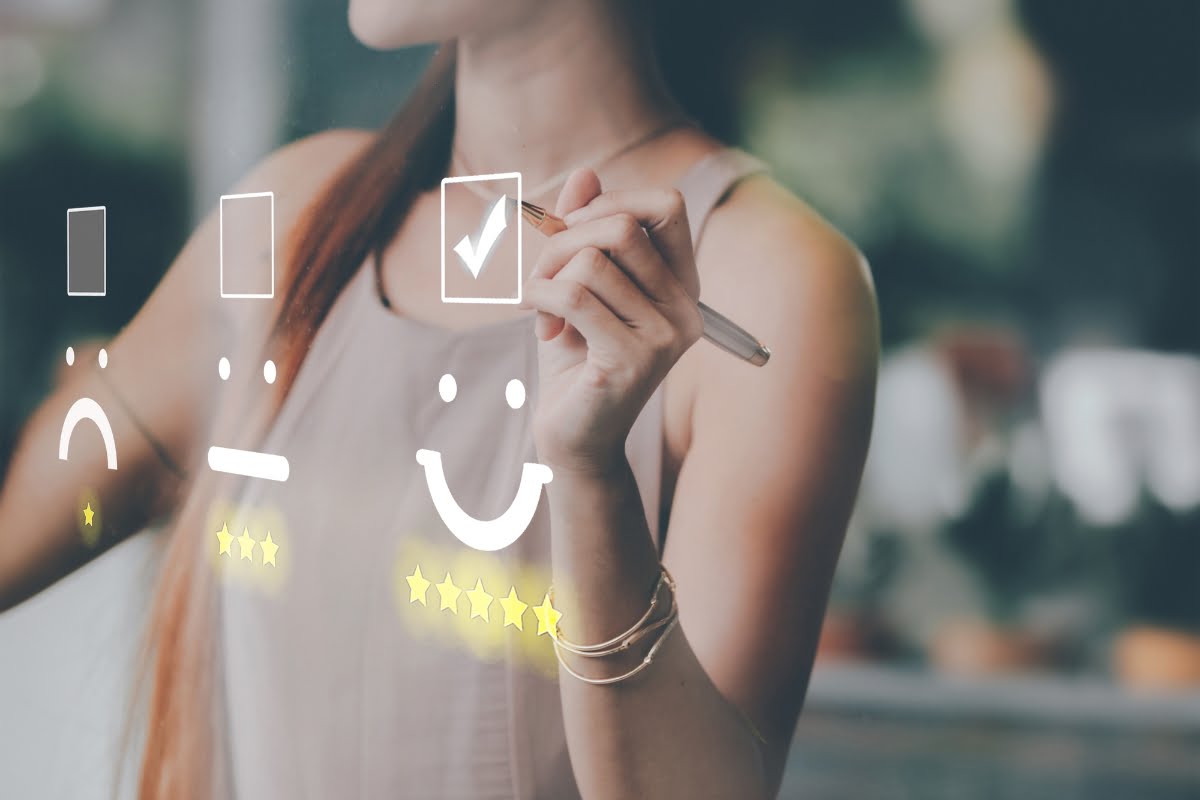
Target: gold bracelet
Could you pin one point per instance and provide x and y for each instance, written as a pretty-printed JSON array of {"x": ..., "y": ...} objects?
[
  {"x": 633, "y": 638},
  {"x": 639, "y": 629},
  {"x": 673, "y": 620},
  {"x": 623, "y": 641}
]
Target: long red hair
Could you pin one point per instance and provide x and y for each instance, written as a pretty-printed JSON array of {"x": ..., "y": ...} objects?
[{"x": 356, "y": 214}]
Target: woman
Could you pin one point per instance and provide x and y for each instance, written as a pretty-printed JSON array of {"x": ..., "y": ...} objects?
[{"x": 316, "y": 687}]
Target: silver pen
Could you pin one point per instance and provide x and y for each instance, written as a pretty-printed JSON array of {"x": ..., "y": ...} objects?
[{"x": 718, "y": 329}]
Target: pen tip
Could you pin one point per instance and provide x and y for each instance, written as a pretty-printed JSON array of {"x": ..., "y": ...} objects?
[{"x": 532, "y": 214}]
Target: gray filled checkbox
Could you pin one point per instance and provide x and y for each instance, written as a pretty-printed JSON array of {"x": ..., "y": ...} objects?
[{"x": 86, "y": 256}]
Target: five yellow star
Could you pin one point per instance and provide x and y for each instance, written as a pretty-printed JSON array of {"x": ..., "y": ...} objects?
[
  {"x": 418, "y": 585},
  {"x": 449, "y": 593},
  {"x": 514, "y": 609},
  {"x": 547, "y": 617},
  {"x": 224, "y": 537},
  {"x": 246, "y": 544},
  {"x": 481, "y": 601},
  {"x": 269, "y": 549},
  {"x": 88, "y": 514}
]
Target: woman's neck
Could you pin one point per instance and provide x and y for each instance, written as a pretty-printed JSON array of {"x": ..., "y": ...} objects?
[{"x": 554, "y": 90}]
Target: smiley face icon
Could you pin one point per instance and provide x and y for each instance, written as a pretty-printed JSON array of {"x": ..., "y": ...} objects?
[
  {"x": 89, "y": 409},
  {"x": 494, "y": 534}
]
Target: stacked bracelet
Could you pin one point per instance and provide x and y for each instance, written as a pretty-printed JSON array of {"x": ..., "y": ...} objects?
[{"x": 622, "y": 642}]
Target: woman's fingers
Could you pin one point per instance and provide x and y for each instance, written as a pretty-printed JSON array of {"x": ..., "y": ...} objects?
[
  {"x": 626, "y": 242},
  {"x": 575, "y": 303},
  {"x": 581, "y": 187},
  {"x": 656, "y": 328},
  {"x": 612, "y": 287},
  {"x": 623, "y": 270},
  {"x": 662, "y": 214}
]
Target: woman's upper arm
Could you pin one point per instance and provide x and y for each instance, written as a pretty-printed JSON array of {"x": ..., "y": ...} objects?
[{"x": 772, "y": 467}]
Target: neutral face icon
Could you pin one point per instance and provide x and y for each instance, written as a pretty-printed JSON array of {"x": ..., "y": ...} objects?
[
  {"x": 89, "y": 409},
  {"x": 248, "y": 463},
  {"x": 505, "y": 529}
]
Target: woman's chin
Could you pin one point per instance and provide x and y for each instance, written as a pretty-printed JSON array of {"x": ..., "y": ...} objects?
[{"x": 384, "y": 25}]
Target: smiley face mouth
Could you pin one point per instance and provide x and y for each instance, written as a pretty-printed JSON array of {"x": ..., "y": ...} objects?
[{"x": 487, "y": 535}]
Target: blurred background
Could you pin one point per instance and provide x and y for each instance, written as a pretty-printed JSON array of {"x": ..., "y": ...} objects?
[{"x": 1017, "y": 610}]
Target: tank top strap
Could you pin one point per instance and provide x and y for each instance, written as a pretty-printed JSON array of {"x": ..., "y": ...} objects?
[{"x": 709, "y": 180}]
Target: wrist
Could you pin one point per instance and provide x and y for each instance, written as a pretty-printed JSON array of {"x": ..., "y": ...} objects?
[{"x": 590, "y": 470}]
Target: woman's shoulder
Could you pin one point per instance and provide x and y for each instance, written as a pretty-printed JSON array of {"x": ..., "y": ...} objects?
[
  {"x": 297, "y": 171},
  {"x": 770, "y": 258}
]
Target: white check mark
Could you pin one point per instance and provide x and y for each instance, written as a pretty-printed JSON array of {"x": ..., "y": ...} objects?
[{"x": 497, "y": 221}]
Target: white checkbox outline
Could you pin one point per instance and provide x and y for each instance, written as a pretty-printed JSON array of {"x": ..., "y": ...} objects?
[
  {"x": 251, "y": 295},
  {"x": 104, "y": 215},
  {"x": 497, "y": 176}
]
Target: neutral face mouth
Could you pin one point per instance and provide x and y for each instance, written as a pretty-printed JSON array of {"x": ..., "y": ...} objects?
[
  {"x": 248, "y": 463},
  {"x": 485, "y": 535}
]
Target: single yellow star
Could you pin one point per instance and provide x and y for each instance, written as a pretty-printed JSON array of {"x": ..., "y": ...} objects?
[
  {"x": 269, "y": 549},
  {"x": 88, "y": 514},
  {"x": 418, "y": 585},
  {"x": 547, "y": 617},
  {"x": 514, "y": 609},
  {"x": 449, "y": 593},
  {"x": 481, "y": 601},
  {"x": 246, "y": 544},
  {"x": 224, "y": 537}
]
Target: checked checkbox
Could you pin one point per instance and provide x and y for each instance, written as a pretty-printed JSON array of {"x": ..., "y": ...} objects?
[{"x": 481, "y": 261}]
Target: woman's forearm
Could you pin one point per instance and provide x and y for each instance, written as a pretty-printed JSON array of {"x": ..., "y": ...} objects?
[{"x": 666, "y": 732}]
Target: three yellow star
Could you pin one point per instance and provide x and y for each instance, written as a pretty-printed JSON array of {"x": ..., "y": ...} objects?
[
  {"x": 547, "y": 617},
  {"x": 449, "y": 593},
  {"x": 246, "y": 544},
  {"x": 269, "y": 549},
  {"x": 481, "y": 601},
  {"x": 224, "y": 537},
  {"x": 88, "y": 514},
  {"x": 418, "y": 585},
  {"x": 514, "y": 609}
]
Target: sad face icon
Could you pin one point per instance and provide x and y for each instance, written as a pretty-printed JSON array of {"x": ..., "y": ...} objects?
[{"x": 89, "y": 409}]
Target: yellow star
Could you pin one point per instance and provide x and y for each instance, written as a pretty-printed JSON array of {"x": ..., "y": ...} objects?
[
  {"x": 514, "y": 609},
  {"x": 449, "y": 593},
  {"x": 246, "y": 544},
  {"x": 547, "y": 617},
  {"x": 269, "y": 549},
  {"x": 481, "y": 601},
  {"x": 88, "y": 514},
  {"x": 224, "y": 537},
  {"x": 418, "y": 585}
]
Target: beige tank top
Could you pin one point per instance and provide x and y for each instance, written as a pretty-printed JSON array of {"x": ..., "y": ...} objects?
[{"x": 346, "y": 672}]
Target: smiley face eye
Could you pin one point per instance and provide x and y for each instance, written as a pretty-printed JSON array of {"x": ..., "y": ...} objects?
[
  {"x": 223, "y": 368},
  {"x": 102, "y": 357},
  {"x": 269, "y": 371},
  {"x": 514, "y": 393},
  {"x": 448, "y": 388}
]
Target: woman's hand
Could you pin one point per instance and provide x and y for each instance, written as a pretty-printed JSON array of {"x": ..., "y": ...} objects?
[{"x": 618, "y": 293}]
